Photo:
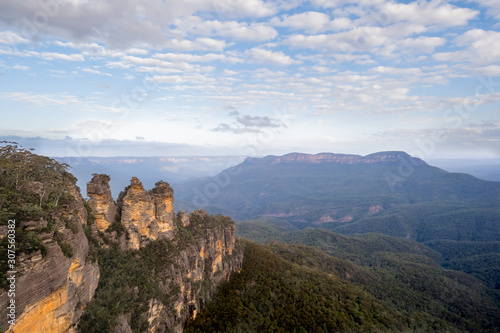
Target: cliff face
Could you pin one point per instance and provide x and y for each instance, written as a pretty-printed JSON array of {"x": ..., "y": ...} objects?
[
  {"x": 52, "y": 289},
  {"x": 201, "y": 265}
]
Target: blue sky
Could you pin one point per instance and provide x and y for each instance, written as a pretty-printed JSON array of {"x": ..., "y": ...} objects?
[{"x": 251, "y": 77}]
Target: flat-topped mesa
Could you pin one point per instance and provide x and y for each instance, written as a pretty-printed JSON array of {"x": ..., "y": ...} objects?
[
  {"x": 101, "y": 201},
  {"x": 163, "y": 197},
  {"x": 389, "y": 156},
  {"x": 146, "y": 216}
]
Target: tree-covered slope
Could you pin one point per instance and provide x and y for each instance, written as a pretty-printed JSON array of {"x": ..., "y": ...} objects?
[
  {"x": 297, "y": 288},
  {"x": 274, "y": 295}
]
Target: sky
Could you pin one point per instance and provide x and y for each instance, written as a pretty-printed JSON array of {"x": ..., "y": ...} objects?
[{"x": 251, "y": 77}]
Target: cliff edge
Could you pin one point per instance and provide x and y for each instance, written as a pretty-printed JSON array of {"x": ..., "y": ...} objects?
[
  {"x": 53, "y": 276},
  {"x": 100, "y": 265}
]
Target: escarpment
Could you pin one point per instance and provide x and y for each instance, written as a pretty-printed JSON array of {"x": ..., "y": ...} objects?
[
  {"x": 55, "y": 276},
  {"x": 102, "y": 266}
]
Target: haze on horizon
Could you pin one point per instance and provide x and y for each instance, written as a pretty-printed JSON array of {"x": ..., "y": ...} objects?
[{"x": 251, "y": 77}]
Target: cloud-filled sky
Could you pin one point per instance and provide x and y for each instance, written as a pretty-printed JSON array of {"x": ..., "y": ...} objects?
[{"x": 251, "y": 77}]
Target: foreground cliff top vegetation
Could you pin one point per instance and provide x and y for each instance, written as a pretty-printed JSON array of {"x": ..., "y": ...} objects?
[{"x": 31, "y": 186}]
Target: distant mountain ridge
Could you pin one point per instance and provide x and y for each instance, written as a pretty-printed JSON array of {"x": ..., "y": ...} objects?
[
  {"x": 386, "y": 192},
  {"x": 389, "y": 156}
]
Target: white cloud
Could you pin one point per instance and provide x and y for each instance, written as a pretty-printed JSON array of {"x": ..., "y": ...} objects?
[
  {"x": 387, "y": 41},
  {"x": 20, "y": 67},
  {"x": 264, "y": 56},
  {"x": 432, "y": 13},
  {"x": 186, "y": 57},
  {"x": 244, "y": 8},
  {"x": 157, "y": 70},
  {"x": 313, "y": 22},
  {"x": 41, "y": 99},
  {"x": 493, "y": 7},
  {"x": 90, "y": 70},
  {"x": 202, "y": 43},
  {"x": 395, "y": 71},
  {"x": 186, "y": 78},
  {"x": 170, "y": 79},
  {"x": 309, "y": 21},
  {"x": 229, "y": 72},
  {"x": 488, "y": 70},
  {"x": 136, "y": 51},
  {"x": 145, "y": 61},
  {"x": 61, "y": 56},
  {"x": 247, "y": 124},
  {"x": 480, "y": 48},
  {"x": 95, "y": 71},
  {"x": 96, "y": 50},
  {"x": 125, "y": 24},
  {"x": 10, "y": 38},
  {"x": 195, "y": 25},
  {"x": 423, "y": 43}
]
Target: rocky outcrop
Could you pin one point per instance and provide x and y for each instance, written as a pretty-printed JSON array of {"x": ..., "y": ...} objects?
[
  {"x": 163, "y": 197},
  {"x": 147, "y": 216},
  {"x": 101, "y": 201},
  {"x": 138, "y": 215},
  {"x": 53, "y": 289}
]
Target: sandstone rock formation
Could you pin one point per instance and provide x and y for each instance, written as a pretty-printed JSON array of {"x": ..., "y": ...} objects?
[
  {"x": 183, "y": 217},
  {"x": 101, "y": 201},
  {"x": 53, "y": 289},
  {"x": 163, "y": 197},
  {"x": 143, "y": 216}
]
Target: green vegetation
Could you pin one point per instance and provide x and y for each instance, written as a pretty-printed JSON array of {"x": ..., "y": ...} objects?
[
  {"x": 31, "y": 186},
  {"x": 362, "y": 283},
  {"x": 121, "y": 273},
  {"x": 274, "y": 295},
  {"x": 66, "y": 249},
  {"x": 480, "y": 259},
  {"x": 30, "y": 242},
  {"x": 34, "y": 191}
]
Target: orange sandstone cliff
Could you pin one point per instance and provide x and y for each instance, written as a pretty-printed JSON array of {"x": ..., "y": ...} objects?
[{"x": 54, "y": 289}]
